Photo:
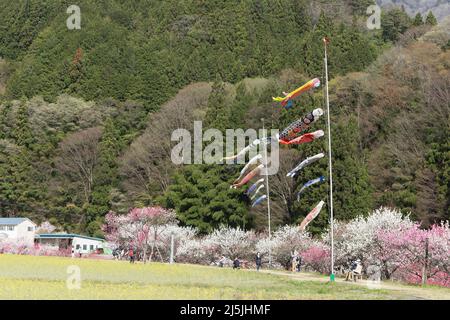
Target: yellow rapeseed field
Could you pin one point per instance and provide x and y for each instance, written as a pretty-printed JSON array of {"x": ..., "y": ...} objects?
[{"x": 29, "y": 277}]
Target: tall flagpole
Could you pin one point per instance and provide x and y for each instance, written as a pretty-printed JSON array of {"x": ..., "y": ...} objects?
[
  {"x": 325, "y": 41},
  {"x": 267, "y": 189}
]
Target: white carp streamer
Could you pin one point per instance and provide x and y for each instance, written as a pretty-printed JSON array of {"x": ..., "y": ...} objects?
[{"x": 305, "y": 163}]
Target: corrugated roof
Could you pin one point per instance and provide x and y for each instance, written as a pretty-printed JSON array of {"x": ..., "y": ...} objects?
[
  {"x": 12, "y": 221},
  {"x": 64, "y": 236}
]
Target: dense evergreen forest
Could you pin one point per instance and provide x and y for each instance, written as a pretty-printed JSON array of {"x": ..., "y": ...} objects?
[{"x": 86, "y": 115}]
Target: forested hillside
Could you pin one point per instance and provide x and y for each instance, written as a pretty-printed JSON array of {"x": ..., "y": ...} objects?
[
  {"x": 86, "y": 115},
  {"x": 440, "y": 7}
]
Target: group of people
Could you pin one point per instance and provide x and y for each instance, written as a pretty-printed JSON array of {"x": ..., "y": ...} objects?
[
  {"x": 296, "y": 263},
  {"x": 237, "y": 263},
  {"x": 121, "y": 253},
  {"x": 354, "y": 271},
  {"x": 76, "y": 253}
]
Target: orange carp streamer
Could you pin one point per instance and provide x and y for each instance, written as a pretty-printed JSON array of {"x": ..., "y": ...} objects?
[{"x": 287, "y": 100}]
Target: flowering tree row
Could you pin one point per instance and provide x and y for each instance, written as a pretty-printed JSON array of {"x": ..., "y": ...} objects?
[
  {"x": 9, "y": 247},
  {"x": 394, "y": 247},
  {"x": 390, "y": 245}
]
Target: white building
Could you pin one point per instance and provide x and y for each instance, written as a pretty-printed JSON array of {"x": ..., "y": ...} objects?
[
  {"x": 23, "y": 231},
  {"x": 79, "y": 243},
  {"x": 17, "y": 230}
]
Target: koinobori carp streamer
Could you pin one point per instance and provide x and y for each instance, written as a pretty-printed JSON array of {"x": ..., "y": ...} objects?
[
  {"x": 286, "y": 101},
  {"x": 252, "y": 161},
  {"x": 254, "y": 186},
  {"x": 305, "y": 163},
  {"x": 259, "y": 200},
  {"x": 252, "y": 145},
  {"x": 309, "y": 184},
  {"x": 292, "y": 131},
  {"x": 248, "y": 177},
  {"x": 314, "y": 213},
  {"x": 256, "y": 192},
  {"x": 307, "y": 137}
]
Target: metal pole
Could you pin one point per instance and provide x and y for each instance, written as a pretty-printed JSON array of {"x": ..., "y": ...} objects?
[
  {"x": 329, "y": 162},
  {"x": 171, "y": 248},
  {"x": 267, "y": 190}
]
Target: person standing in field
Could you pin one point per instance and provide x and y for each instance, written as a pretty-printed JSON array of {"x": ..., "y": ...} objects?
[
  {"x": 236, "y": 263},
  {"x": 299, "y": 262},
  {"x": 131, "y": 255},
  {"x": 258, "y": 261},
  {"x": 294, "y": 256}
]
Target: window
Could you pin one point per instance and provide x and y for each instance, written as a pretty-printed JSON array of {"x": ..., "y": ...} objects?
[
  {"x": 84, "y": 246},
  {"x": 2, "y": 228},
  {"x": 10, "y": 228},
  {"x": 91, "y": 247},
  {"x": 78, "y": 246},
  {"x": 30, "y": 228}
]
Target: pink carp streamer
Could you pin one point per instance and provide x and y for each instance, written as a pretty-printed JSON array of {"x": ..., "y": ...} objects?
[
  {"x": 248, "y": 177},
  {"x": 314, "y": 213},
  {"x": 252, "y": 161},
  {"x": 300, "y": 125},
  {"x": 306, "y": 138}
]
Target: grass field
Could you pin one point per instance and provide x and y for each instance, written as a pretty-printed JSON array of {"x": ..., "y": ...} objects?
[{"x": 28, "y": 277}]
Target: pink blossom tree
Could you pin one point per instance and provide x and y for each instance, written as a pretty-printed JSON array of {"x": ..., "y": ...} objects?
[
  {"x": 317, "y": 257},
  {"x": 140, "y": 228},
  {"x": 418, "y": 255}
]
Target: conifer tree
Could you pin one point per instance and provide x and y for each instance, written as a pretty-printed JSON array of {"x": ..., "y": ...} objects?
[
  {"x": 431, "y": 19},
  {"x": 418, "y": 20}
]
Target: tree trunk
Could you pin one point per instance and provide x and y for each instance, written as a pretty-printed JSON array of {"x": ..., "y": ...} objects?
[{"x": 425, "y": 264}]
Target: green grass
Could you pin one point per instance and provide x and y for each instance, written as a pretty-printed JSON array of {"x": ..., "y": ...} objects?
[{"x": 28, "y": 277}]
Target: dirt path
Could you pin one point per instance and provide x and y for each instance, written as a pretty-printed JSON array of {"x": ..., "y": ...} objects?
[{"x": 404, "y": 291}]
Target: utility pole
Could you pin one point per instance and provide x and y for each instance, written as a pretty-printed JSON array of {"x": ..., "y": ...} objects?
[
  {"x": 267, "y": 188},
  {"x": 325, "y": 42}
]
